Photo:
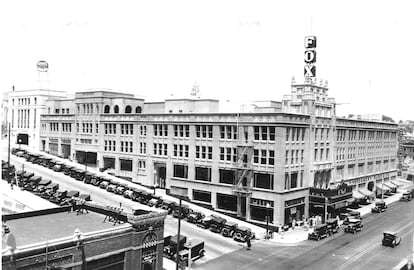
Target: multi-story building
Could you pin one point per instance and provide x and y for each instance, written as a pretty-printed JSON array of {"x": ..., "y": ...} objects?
[
  {"x": 276, "y": 161},
  {"x": 22, "y": 113},
  {"x": 247, "y": 164}
]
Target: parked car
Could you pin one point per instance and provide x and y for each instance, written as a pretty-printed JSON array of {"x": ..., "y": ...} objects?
[
  {"x": 390, "y": 239},
  {"x": 169, "y": 206},
  {"x": 104, "y": 184},
  {"x": 320, "y": 231},
  {"x": 406, "y": 196},
  {"x": 156, "y": 201},
  {"x": 89, "y": 176},
  {"x": 229, "y": 229},
  {"x": 67, "y": 169},
  {"x": 86, "y": 197},
  {"x": 196, "y": 247},
  {"x": 185, "y": 211},
  {"x": 111, "y": 188},
  {"x": 379, "y": 207},
  {"x": 195, "y": 217},
  {"x": 217, "y": 224},
  {"x": 354, "y": 225},
  {"x": 333, "y": 225},
  {"x": 242, "y": 233},
  {"x": 120, "y": 189},
  {"x": 96, "y": 181},
  {"x": 58, "y": 167},
  {"x": 175, "y": 245},
  {"x": 205, "y": 222}
]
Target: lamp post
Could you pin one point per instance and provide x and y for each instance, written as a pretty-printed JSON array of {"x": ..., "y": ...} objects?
[{"x": 267, "y": 219}]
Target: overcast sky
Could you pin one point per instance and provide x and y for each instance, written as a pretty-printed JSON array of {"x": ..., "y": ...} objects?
[{"x": 234, "y": 50}]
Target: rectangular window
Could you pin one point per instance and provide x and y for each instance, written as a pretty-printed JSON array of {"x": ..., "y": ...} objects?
[
  {"x": 293, "y": 180},
  {"x": 200, "y": 195},
  {"x": 256, "y": 133},
  {"x": 126, "y": 164},
  {"x": 180, "y": 171},
  {"x": 255, "y": 156},
  {"x": 227, "y": 202},
  {"x": 263, "y": 181},
  {"x": 203, "y": 174},
  {"x": 227, "y": 177}
]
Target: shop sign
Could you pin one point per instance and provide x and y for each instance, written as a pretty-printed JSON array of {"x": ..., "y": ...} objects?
[{"x": 293, "y": 210}]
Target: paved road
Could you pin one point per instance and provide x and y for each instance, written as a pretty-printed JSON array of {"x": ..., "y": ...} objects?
[
  {"x": 215, "y": 245},
  {"x": 341, "y": 251}
]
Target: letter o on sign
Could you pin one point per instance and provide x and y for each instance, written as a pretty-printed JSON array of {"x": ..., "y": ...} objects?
[
  {"x": 310, "y": 56},
  {"x": 42, "y": 66}
]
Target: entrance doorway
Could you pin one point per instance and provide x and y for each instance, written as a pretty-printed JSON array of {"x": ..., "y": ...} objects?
[
  {"x": 371, "y": 186},
  {"x": 160, "y": 174}
]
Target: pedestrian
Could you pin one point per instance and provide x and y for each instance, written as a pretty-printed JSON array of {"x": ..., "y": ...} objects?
[{"x": 249, "y": 244}]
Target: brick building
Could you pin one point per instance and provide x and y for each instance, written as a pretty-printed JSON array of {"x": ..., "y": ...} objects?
[{"x": 59, "y": 239}]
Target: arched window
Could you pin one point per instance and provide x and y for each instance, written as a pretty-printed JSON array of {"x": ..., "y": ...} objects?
[
  {"x": 128, "y": 109},
  {"x": 116, "y": 109},
  {"x": 107, "y": 109},
  {"x": 138, "y": 109}
]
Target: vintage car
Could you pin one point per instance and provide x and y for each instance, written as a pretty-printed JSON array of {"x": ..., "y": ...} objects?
[
  {"x": 89, "y": 176},
  {"x": 242, "y": 233},
  {"x": 406, "y": 196},
  {"x": 174, "y": 245},
  {"x": 195, "y": 217},
  {"x": 320, "y": 231},
  {"x": 354, "y": 226},
  {"x": 120, "y": 189},
  {"x": 196, "y": 247},
  {"x": 205, "y": 222},
  {"x": 86, "y": 197},
  {"x": 58, "y": 167},
  {"x": 185, "y": 211},
  {"x": 379, "y": 207},
  {"x": 333, "y": 225},
  {"x": 169, "y": 206},
  {"x": 229, "y": 228},
  {"x": 390, "y": 239},
  {"x": 352, "y": 215},
  {"x": 104, "y": 184},
  {"x": 217, "y": 224},
  {"x": 111, "y": 188},
  {"x": 155, "y": 201}
]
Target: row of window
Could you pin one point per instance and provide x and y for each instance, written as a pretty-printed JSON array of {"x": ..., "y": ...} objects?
[
  {"x": 126, "y": 146},
  {"x": 295, "y": 157},
  {"x": 127, "y": 129},
  {"x": 24, "y": 101},
  {"x": 63, "y": 110},
  {"x": 23, "y": 118},
  {"x": 295, "y": 134},
  {"x": 128, "y": 109},
  {"x": 264, "y": 157},
  {"x": 341, "y": 135}
]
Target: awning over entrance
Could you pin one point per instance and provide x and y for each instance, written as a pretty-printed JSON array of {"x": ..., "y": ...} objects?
[
  {"x": 366, "y": 192},
  {"x": 357, "y": 195}
]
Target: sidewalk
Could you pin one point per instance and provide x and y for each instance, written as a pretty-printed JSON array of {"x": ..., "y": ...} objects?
[
  {"x": 300, "y": 234},
  {"x": 259, "y": 231}
]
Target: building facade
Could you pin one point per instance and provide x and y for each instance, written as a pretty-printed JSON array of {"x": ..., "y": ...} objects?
[
  {"x": 83, "y": 241},
  {"x": 251, "y": 165},
  {"x": 22, "y": 110}
]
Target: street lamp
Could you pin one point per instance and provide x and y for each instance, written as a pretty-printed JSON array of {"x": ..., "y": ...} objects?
[{"x": 267, "y": 219}]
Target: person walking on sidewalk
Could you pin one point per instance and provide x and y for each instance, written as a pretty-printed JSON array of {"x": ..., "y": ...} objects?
[{"x": 249, "y": 244}]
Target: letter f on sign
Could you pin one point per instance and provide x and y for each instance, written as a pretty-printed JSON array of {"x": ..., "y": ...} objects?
[{"x": 310, "y": 42}]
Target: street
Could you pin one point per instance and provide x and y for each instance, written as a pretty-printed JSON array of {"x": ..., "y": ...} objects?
[
  {"x": 215, "y": 244},
  {"x": 341, "y": 251}
]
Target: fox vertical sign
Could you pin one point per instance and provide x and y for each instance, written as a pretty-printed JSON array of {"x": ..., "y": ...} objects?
[{"x": 310, "y": 57}]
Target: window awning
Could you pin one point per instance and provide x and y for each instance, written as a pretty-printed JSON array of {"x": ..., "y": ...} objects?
[
  {"x": 366, "y": 192},
  {"x": 398, "y": 184},
  {"x": 383, "y": 188},
  {"x": 389, "y": 185},
  {"x": 357, "y": 195}
]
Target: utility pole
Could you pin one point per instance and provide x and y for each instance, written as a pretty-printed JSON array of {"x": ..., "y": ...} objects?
[
  {"x": 8, "y": 158},
  {"x": 178, "y": 237},
  {"x": 326, "y": 209}
]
